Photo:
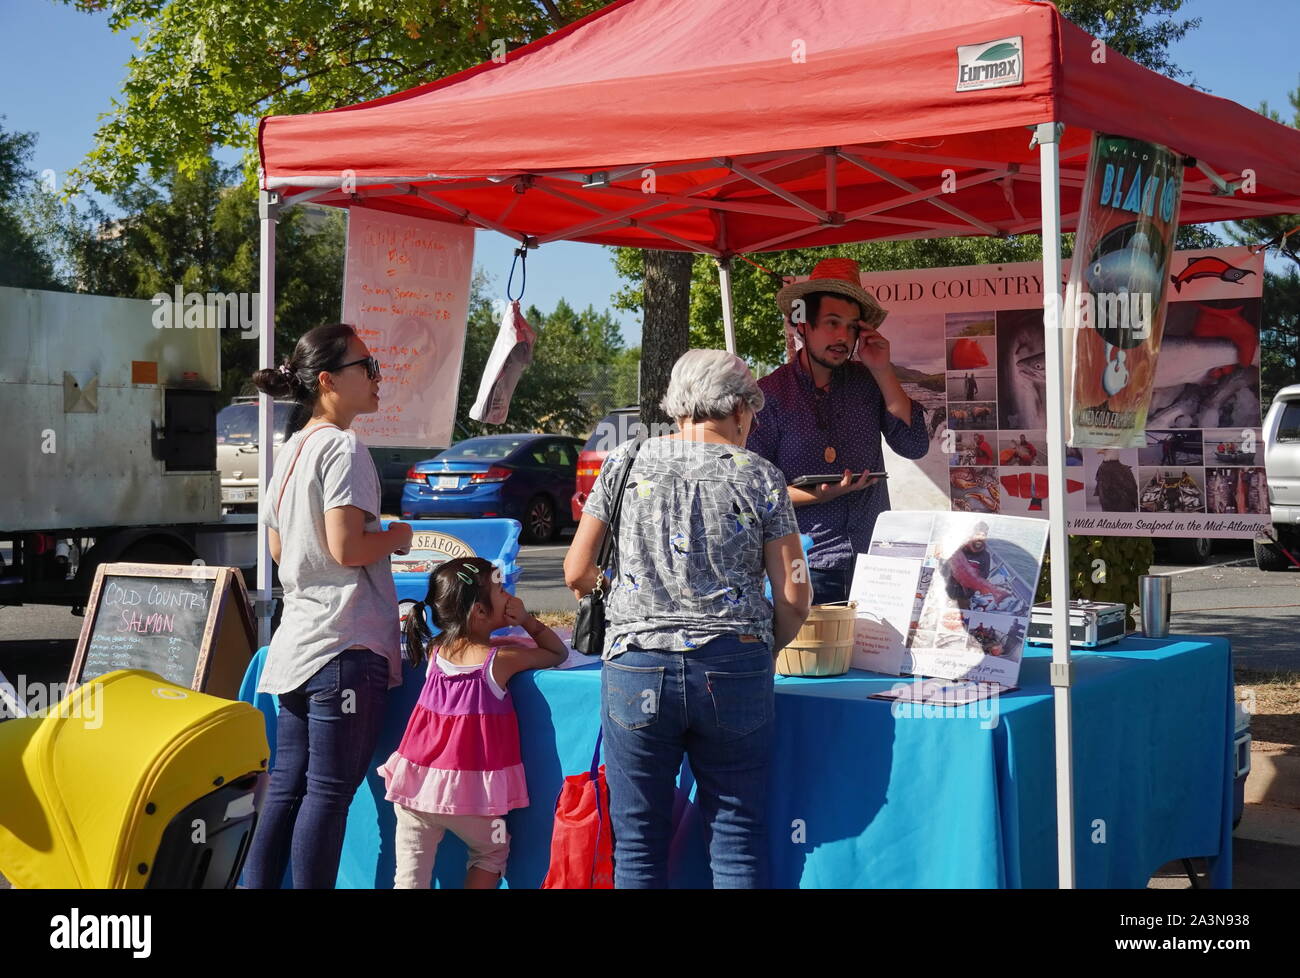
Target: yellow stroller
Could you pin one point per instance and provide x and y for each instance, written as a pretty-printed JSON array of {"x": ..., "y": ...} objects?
[{"x": 131, "y": 782}]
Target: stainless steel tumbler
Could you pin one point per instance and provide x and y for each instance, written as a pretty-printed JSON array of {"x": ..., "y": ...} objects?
[{"x": 1154, "y": 598}]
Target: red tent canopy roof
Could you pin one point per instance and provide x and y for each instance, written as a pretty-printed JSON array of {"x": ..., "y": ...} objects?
[{"x": 730, "y": 126}]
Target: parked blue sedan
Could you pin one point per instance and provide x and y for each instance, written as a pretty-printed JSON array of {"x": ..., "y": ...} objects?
[{"x": 529, "y": 478}]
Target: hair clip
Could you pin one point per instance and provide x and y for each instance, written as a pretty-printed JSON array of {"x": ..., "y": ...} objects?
[{"x": 464, "y": 576}]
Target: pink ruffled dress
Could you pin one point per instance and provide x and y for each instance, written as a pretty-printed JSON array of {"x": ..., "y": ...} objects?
[{"x": 460, "y": 752}]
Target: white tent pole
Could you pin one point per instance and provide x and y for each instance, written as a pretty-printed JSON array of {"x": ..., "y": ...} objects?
[
  {"x": 268, "y": 207},
  {"x": 1048, "y": 135},
  {"x": 728, "y": 316}
]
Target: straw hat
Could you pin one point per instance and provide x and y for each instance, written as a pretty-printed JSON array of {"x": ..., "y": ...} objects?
[{"x": 838, "y": 275}]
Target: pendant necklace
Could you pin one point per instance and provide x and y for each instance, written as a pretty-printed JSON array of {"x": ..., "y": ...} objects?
[{"x": 822, "y": 412}]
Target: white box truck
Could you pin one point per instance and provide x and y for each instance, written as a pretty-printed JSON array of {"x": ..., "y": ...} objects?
[{"x": 107, "y": 444}]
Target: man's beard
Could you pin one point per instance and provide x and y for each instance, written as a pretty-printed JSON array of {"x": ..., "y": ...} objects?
[{"x": 819, "y": 361}]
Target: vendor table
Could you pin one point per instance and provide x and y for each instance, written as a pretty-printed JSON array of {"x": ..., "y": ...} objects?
[{"x": 866, "y": 794}]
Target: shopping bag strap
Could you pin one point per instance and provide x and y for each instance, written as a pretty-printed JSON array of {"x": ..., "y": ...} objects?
[{"x": 595, "y": 758}]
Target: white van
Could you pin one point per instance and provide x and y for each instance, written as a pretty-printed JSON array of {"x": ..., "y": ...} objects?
[{"x": 1282, "y": 467}]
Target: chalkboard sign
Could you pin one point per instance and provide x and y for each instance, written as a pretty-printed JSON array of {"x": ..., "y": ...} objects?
[{"x": 188, "y": 624}]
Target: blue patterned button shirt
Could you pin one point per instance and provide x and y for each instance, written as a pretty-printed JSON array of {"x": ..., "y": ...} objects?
[
  {"x": 854, "y": 411},
  {"x": 695, "y": 518}
]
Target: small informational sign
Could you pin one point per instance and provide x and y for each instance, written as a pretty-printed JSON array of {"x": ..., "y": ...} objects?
[
  {"x": 885, "y": 591},
  {"x": 190, "y": 625},
  {"x": 406, "y": 291}
]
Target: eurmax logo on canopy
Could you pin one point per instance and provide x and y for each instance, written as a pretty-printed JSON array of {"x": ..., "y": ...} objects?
[{"x": 993, "y": 64}]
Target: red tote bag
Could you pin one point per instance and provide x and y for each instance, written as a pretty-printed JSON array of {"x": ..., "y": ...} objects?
[{"x": 582, "y": 843}]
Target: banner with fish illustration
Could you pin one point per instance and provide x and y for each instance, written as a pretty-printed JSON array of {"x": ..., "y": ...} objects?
[
  {"x": 1114, "y": 310},
  {"x": 967, "y": 344}
]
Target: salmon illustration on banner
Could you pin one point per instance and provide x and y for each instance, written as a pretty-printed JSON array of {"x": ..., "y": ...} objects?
[{"x": 1115, "y": 299}]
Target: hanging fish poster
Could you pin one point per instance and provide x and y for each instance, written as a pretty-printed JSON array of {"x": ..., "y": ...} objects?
[
  {"x": 1115, "y": 306},
  {"x": 511, "y": 353}
]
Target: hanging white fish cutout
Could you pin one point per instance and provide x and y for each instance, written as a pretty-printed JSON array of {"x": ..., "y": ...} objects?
[{"x": 511, "y": 353}]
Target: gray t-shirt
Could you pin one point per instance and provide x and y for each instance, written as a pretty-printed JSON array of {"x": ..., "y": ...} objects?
[
  {"x": 327, "y": 607},
  {"x": 690, "y": 563}
]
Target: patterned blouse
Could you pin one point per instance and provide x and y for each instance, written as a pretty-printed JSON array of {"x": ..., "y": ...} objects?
[{"x": 689, "y": 557}]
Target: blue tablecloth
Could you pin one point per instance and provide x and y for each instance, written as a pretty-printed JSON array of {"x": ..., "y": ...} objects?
[{"x": 862, "y": 797}]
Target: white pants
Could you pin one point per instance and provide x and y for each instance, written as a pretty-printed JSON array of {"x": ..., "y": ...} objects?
[{"x": 419, "y": 834}]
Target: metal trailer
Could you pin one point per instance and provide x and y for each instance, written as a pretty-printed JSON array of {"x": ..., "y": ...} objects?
[{"x": 107, "y": 442}]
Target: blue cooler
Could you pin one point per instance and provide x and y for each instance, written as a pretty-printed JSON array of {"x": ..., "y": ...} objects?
[
  {"x": 434, "y": 542},
  {"x": 806, "y": 542},
  {"x": 1241, "y": 761}
]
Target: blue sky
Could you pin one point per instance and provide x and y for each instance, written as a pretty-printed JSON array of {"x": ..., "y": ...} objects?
[{"x": 60, "y": 68}]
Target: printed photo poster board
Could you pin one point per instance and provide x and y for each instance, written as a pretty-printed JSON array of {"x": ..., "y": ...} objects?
[
  {"x": 947, "y": 595},
  {"x": 190, "y": 624},
  {"x": 406, "y": 290},
  {"x": 1115, "y": 305},
  {"x": 967, "y": 344}
]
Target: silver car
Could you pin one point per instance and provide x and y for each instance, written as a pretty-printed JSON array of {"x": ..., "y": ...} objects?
[
  {"x": 237, "y": 450},
  {"x": 1282, "y": 468},
  {"x": 237, "y": 456}
]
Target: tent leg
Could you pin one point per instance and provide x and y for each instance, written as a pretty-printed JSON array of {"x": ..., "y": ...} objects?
[
  {"x": 1054, "y": 345},
  {"x": 728, "y": 316},
  {"x": 268, "y": 205}
]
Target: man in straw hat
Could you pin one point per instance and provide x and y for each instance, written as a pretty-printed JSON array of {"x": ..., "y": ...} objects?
[{"x": 826, "y": 412}]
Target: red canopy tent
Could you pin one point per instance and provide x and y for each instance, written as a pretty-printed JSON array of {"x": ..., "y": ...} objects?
[
  {"x": 753, "y": 149},
  {"x": 732, "y": 126}
]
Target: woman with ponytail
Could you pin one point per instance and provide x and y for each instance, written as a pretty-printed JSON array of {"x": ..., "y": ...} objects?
[
  {"x": 337, "y": 650},
  {"x": 458, "y": 766}
]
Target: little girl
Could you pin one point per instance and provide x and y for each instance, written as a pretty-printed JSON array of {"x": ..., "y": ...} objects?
[{"x": 458, "y": 766}]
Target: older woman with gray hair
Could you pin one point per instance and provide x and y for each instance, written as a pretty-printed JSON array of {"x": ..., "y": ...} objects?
[{"x": 691, "y": 639}]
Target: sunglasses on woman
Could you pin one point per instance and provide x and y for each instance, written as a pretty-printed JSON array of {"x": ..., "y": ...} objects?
[{"x": 372, "y": 367}]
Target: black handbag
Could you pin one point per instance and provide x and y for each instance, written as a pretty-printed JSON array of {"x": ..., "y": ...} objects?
[{"x": 589, "y": 626}]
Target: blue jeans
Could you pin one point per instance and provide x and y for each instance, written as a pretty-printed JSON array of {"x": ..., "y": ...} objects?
[
  {"x": 829, "y": 585},
  {"x": 326, "y": 733},
  {"x": 716, "y": 704}
]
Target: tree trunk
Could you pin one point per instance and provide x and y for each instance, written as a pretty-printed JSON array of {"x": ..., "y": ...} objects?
[{"x": 665, "y": 331}]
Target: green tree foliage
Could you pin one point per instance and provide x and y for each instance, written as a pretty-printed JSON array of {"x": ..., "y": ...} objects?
[
  {"x": 208, "y": 70},
  {"x": 1139, "y": 29},
  {"x": 1280, "y": 335},
  {"x": 25, "y": 262},
  {"x": 1122, "y": 561}
]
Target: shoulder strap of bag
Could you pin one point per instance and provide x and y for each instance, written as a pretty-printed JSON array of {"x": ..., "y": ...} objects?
[
  {"x": 610, "y": 538},
  {"x": 595, "y": 758},
  {"x": 294, "y": 464}
]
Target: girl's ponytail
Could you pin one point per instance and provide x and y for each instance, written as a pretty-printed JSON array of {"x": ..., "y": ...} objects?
[{"x": 417, "y": 634}]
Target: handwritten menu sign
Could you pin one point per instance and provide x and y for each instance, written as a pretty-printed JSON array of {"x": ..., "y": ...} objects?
[
  {"x": 406, "y": 290},
  {"x": 187, "y": 624}
]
